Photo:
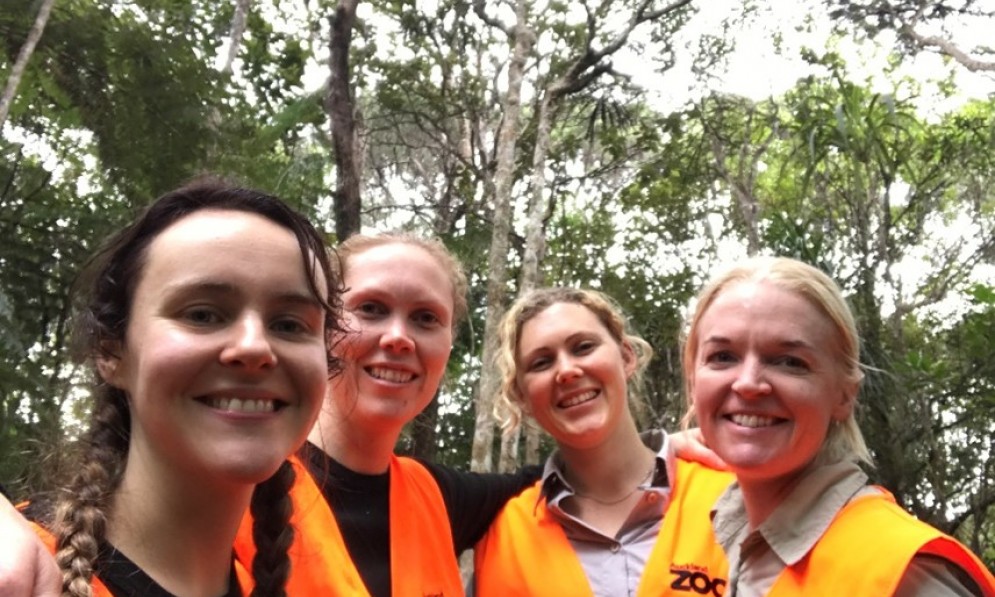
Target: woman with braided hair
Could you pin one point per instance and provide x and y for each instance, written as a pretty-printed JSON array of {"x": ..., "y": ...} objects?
[
  {"x": 207, "y": 321},
  {"x": 369, "y": 522}
]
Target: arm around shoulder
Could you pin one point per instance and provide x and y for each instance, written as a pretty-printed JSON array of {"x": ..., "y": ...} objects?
[
  {"x": 27, "y": 569},
  {"x": 929, "y": 576}
]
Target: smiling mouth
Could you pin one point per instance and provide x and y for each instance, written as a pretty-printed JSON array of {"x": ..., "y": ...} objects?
[
  {"x": 578, "y": 399},
  {"x": 237, "y": 405},
  {"x": 391, "y": 375},
  {"x": 753, "y": 421}
]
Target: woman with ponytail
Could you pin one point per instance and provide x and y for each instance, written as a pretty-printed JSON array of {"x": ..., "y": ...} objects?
[{"x": 207, "y": 322}]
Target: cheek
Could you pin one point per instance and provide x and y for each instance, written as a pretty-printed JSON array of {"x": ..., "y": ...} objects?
[
  {"x": 534, "y": 389},
  {"x": 350, "y": 343},
  {"x": 435, "y": 352},
  {"x": 313, "y": 363},
  {"x": 698, "y": 384},
  {"x": 163, "y": 357}
]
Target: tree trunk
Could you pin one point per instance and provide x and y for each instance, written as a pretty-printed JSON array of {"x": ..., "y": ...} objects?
[
  {"x": 482, "y": 458},
  {"x": 237, "y": 32},
  {"x": 14, "y": 80},
  {"x": 535, "y": 249},
  {"x": 586, "y": 68},
  {"x": 341, "y": 110}
]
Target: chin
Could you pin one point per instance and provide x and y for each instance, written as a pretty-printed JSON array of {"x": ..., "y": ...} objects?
[
  {"x": 250, "y": 467},
  {"x": 253, "y": 473}
]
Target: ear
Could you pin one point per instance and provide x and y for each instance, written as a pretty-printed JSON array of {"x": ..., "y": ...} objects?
[
  {"x": 629, "y": 360},
  {"x": 109, "y": 365},
  {"x": 843, "y": 409},
  {"x": 523, "y": 405}
]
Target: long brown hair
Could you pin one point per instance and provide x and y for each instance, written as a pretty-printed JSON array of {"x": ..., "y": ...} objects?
[{"x": 103, "y": 303}]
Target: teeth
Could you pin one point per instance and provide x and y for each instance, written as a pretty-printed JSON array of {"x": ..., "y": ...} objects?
[
  {"x": 237, "y": 405},
  {"x": 579, "y": 399},
  {"x": 752, "y": 420},
  {"x": 391, "y": 375}
]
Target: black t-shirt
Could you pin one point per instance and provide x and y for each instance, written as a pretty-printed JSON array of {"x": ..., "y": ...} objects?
[
  {"x": 122, "y": 577},
  {"x": 125, "y": 579},
  {"x": 361, "y": 504}
]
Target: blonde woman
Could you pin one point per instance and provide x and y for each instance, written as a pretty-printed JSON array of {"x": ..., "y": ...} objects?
[
  {"x": 772, "y": 369},
  {"x": 605, "y": 518}
]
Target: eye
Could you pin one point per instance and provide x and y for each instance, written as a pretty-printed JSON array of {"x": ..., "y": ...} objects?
[
  {"x": 202, "y": 315},
  {"x": 369, "y": 309},
  {"x": 585, "y": 347},
  {"x": 791, "y": 362},
  {"x": 538, "y": 364},
  {"x": 290, "y": 326},
  {"x": 426, "y": 318},
  {"x": 720, "y": 357}
]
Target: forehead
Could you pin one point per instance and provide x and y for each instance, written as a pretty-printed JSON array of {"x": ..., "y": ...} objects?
[
  {"x": 223, "y": 226},
  {"x": 401, "y": 270},
  {"x": 767, "y": 308},
  {"x": 212, "y": 242},
  {"x": 556, "y": 323}
]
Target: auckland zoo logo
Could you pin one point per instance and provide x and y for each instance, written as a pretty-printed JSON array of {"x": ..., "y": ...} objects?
[{"x": 691, "y": 578}]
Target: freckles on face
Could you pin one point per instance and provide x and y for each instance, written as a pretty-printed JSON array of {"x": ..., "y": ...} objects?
[{"x": 766, "y": 380}]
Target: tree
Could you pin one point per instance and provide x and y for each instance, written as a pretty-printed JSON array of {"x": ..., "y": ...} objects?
[
  {"x": 14, "y": 79},
  {"x": 855, "y": 182},
  {"x": 521, "y": 38},
  {"x": 342, "y": 114},
  {"x": 913, "y": 20}
]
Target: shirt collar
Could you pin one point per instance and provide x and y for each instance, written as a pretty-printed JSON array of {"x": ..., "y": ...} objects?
[
  {"x": 795, "y": 526},
  {"x": 555, "y": 486}
]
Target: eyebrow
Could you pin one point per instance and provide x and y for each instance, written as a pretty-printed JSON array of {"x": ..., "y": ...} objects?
[
  {"x": 582, "y": 335},
  {"x": 228, "y": 289},
  {"x": 373, "y": 292},
  {"x": 716, "y": 339}
]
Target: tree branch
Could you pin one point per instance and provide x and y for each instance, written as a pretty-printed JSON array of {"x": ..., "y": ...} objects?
[{"x": 946, "y": 47}]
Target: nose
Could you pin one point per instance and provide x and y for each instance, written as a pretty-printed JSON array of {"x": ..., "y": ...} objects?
[
  {"x": 751, "y": 380},
  {"x": 396, "y": 337},
  {"x": 250, "y": 345},
  {"x": 567, "y": 370}
]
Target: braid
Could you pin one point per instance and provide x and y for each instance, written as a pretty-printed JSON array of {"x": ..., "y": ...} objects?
[
  {"x": 272, "y": 533},
  {"x": 80, "y": 515}
]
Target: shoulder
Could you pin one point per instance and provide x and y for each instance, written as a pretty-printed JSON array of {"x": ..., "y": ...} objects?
[{"x": 929, "y": 575}]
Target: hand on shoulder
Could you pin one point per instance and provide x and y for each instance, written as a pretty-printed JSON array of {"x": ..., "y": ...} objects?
[
  {"x": 690, "y": 445},
  {"x": 26, "y": 567}
]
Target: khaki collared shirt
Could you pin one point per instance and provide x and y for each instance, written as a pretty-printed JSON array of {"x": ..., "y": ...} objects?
[
  {"x": 614, "y": 565},
  {"x": 757, "y": 557}
]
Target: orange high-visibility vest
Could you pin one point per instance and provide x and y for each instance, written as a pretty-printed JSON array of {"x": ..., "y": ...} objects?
[
  {"x": 526, "y": 552},
  {"x": 422, "y": 556},
  {"x": 242, "y": 575},
  {"x": 866, "y": 550}
]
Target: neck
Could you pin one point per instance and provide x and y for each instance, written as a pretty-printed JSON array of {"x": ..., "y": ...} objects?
[
  {"x": 180, "y": 532},
  {"x": 611, "y": 470},
  {"x": 354, "y": 442},
  {"x": 762, "y": 496}
]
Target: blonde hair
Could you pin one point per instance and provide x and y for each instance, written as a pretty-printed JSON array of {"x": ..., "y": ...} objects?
[
  {"x": 360, "y": 243},
  {"x": 844, "y": 439},
  {"x": 508, "y": 408}
]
